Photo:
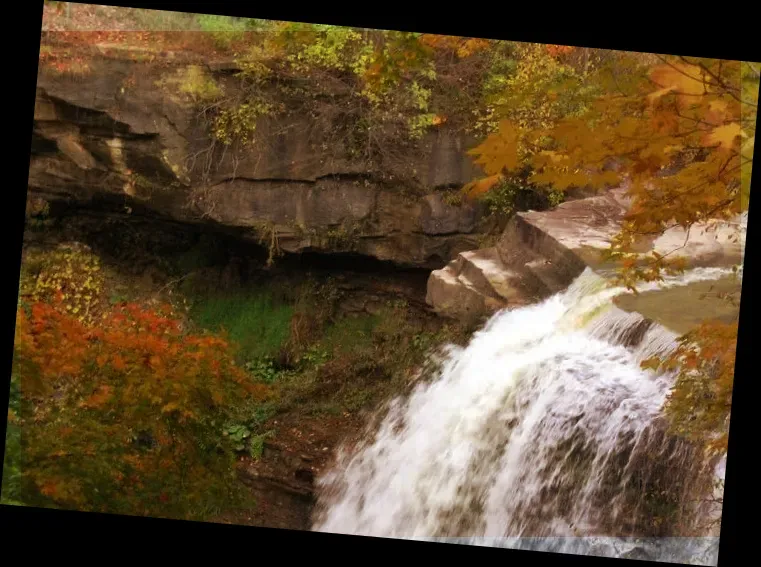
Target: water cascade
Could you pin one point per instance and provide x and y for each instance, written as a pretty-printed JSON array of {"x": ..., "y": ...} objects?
[{"x": 543, "y": 432}]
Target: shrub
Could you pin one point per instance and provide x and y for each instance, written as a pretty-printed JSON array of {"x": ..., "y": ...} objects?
[
  {"x": 197, "y": 83},
  {"x": 70, "y": 274},
  {"x": 126, "y": 417}
]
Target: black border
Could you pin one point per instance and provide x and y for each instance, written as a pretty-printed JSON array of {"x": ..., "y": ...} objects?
[{"x": 687, "y": 30}]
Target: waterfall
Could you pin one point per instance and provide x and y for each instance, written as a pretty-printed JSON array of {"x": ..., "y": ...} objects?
[{"x": 544, "y": 432}]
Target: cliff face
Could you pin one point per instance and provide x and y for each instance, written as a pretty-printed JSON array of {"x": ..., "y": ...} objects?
[{"x": 125, "y": 136}]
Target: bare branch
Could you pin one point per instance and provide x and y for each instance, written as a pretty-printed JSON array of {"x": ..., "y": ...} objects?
[{"x": 730, "y": 90}]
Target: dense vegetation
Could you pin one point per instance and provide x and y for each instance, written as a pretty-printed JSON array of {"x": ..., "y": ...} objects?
[
  {"x": 130, "y": 399},
  {"x": 120, "y": 408}
]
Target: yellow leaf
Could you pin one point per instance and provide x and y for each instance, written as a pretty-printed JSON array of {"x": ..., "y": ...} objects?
[
  {"x": 685, "y": 80},
  {"x": 481, "y": 186},
  {"x": 171, "y": 406},
  {"x": 670, "y": 150},
  {"x": 724, "y": 136},
  {"x": 499, "y": 152},
  {"x": 438, "y": 119},
  {"x": 717, "y": 112},
  {"x": 628, "y": 126},
  {"x": 656, "y": 95}
]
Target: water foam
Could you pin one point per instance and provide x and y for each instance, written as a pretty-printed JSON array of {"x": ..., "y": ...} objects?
[{"x": 545, "y": 426}]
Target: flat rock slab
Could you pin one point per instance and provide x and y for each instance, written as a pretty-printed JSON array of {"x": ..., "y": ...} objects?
[
  {"x": 477, "y": 284},
  {"x": 586, "y": 227},
  {"x": 582, "y": 223},
  {"x": 454, "y": 296},
  {"x": 719, "y": 245},
  {"x": 541, "y": 253}
]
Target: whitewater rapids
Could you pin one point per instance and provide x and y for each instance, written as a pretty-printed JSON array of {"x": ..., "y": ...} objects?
[{"x": 541, "y": 433}]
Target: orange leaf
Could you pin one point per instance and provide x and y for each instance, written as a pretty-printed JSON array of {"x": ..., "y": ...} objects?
[
  {"x": 49, "y": 489},
  {"x": 118, "y": 362},
  {"x": 481, "y": 186},
  {"x": 100, "y": 397}
]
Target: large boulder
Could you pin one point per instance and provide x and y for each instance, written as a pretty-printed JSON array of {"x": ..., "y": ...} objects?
[
  {"x": 546, "y": 250},
  {"x": 478, "y": 283},
  {"x": 574, "y": 235}
]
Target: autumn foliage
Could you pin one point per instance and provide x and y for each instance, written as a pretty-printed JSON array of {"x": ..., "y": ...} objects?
[
  {"x": 125, "y": 416},
  {"x": 557, "y": 50},
  {"x": 139, "y": 400},
  {"x": 701, "y": 402},
  {"x": 678, "y": 134}
]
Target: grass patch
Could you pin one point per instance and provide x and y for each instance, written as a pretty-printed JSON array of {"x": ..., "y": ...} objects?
[
  {"x": 254, "y": 321},
  {"x": 319, "y": 363},
  {"x": 350, "y": 334},
  {"x": 357, "y": 362}
]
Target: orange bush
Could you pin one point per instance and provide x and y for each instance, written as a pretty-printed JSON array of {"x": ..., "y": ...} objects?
[
  {"x": 557, "y": 50},
  {"x": 125, "y": 417}
]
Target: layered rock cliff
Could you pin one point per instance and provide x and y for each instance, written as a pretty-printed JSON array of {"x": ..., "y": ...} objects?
[{"x": 125, "y": 137}]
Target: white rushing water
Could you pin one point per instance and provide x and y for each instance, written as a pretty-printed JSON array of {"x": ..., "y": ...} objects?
[{"x": 544, "y": 433}]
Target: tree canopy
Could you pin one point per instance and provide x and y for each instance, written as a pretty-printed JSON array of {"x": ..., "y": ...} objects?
[{"x": 679, "y": 132}]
